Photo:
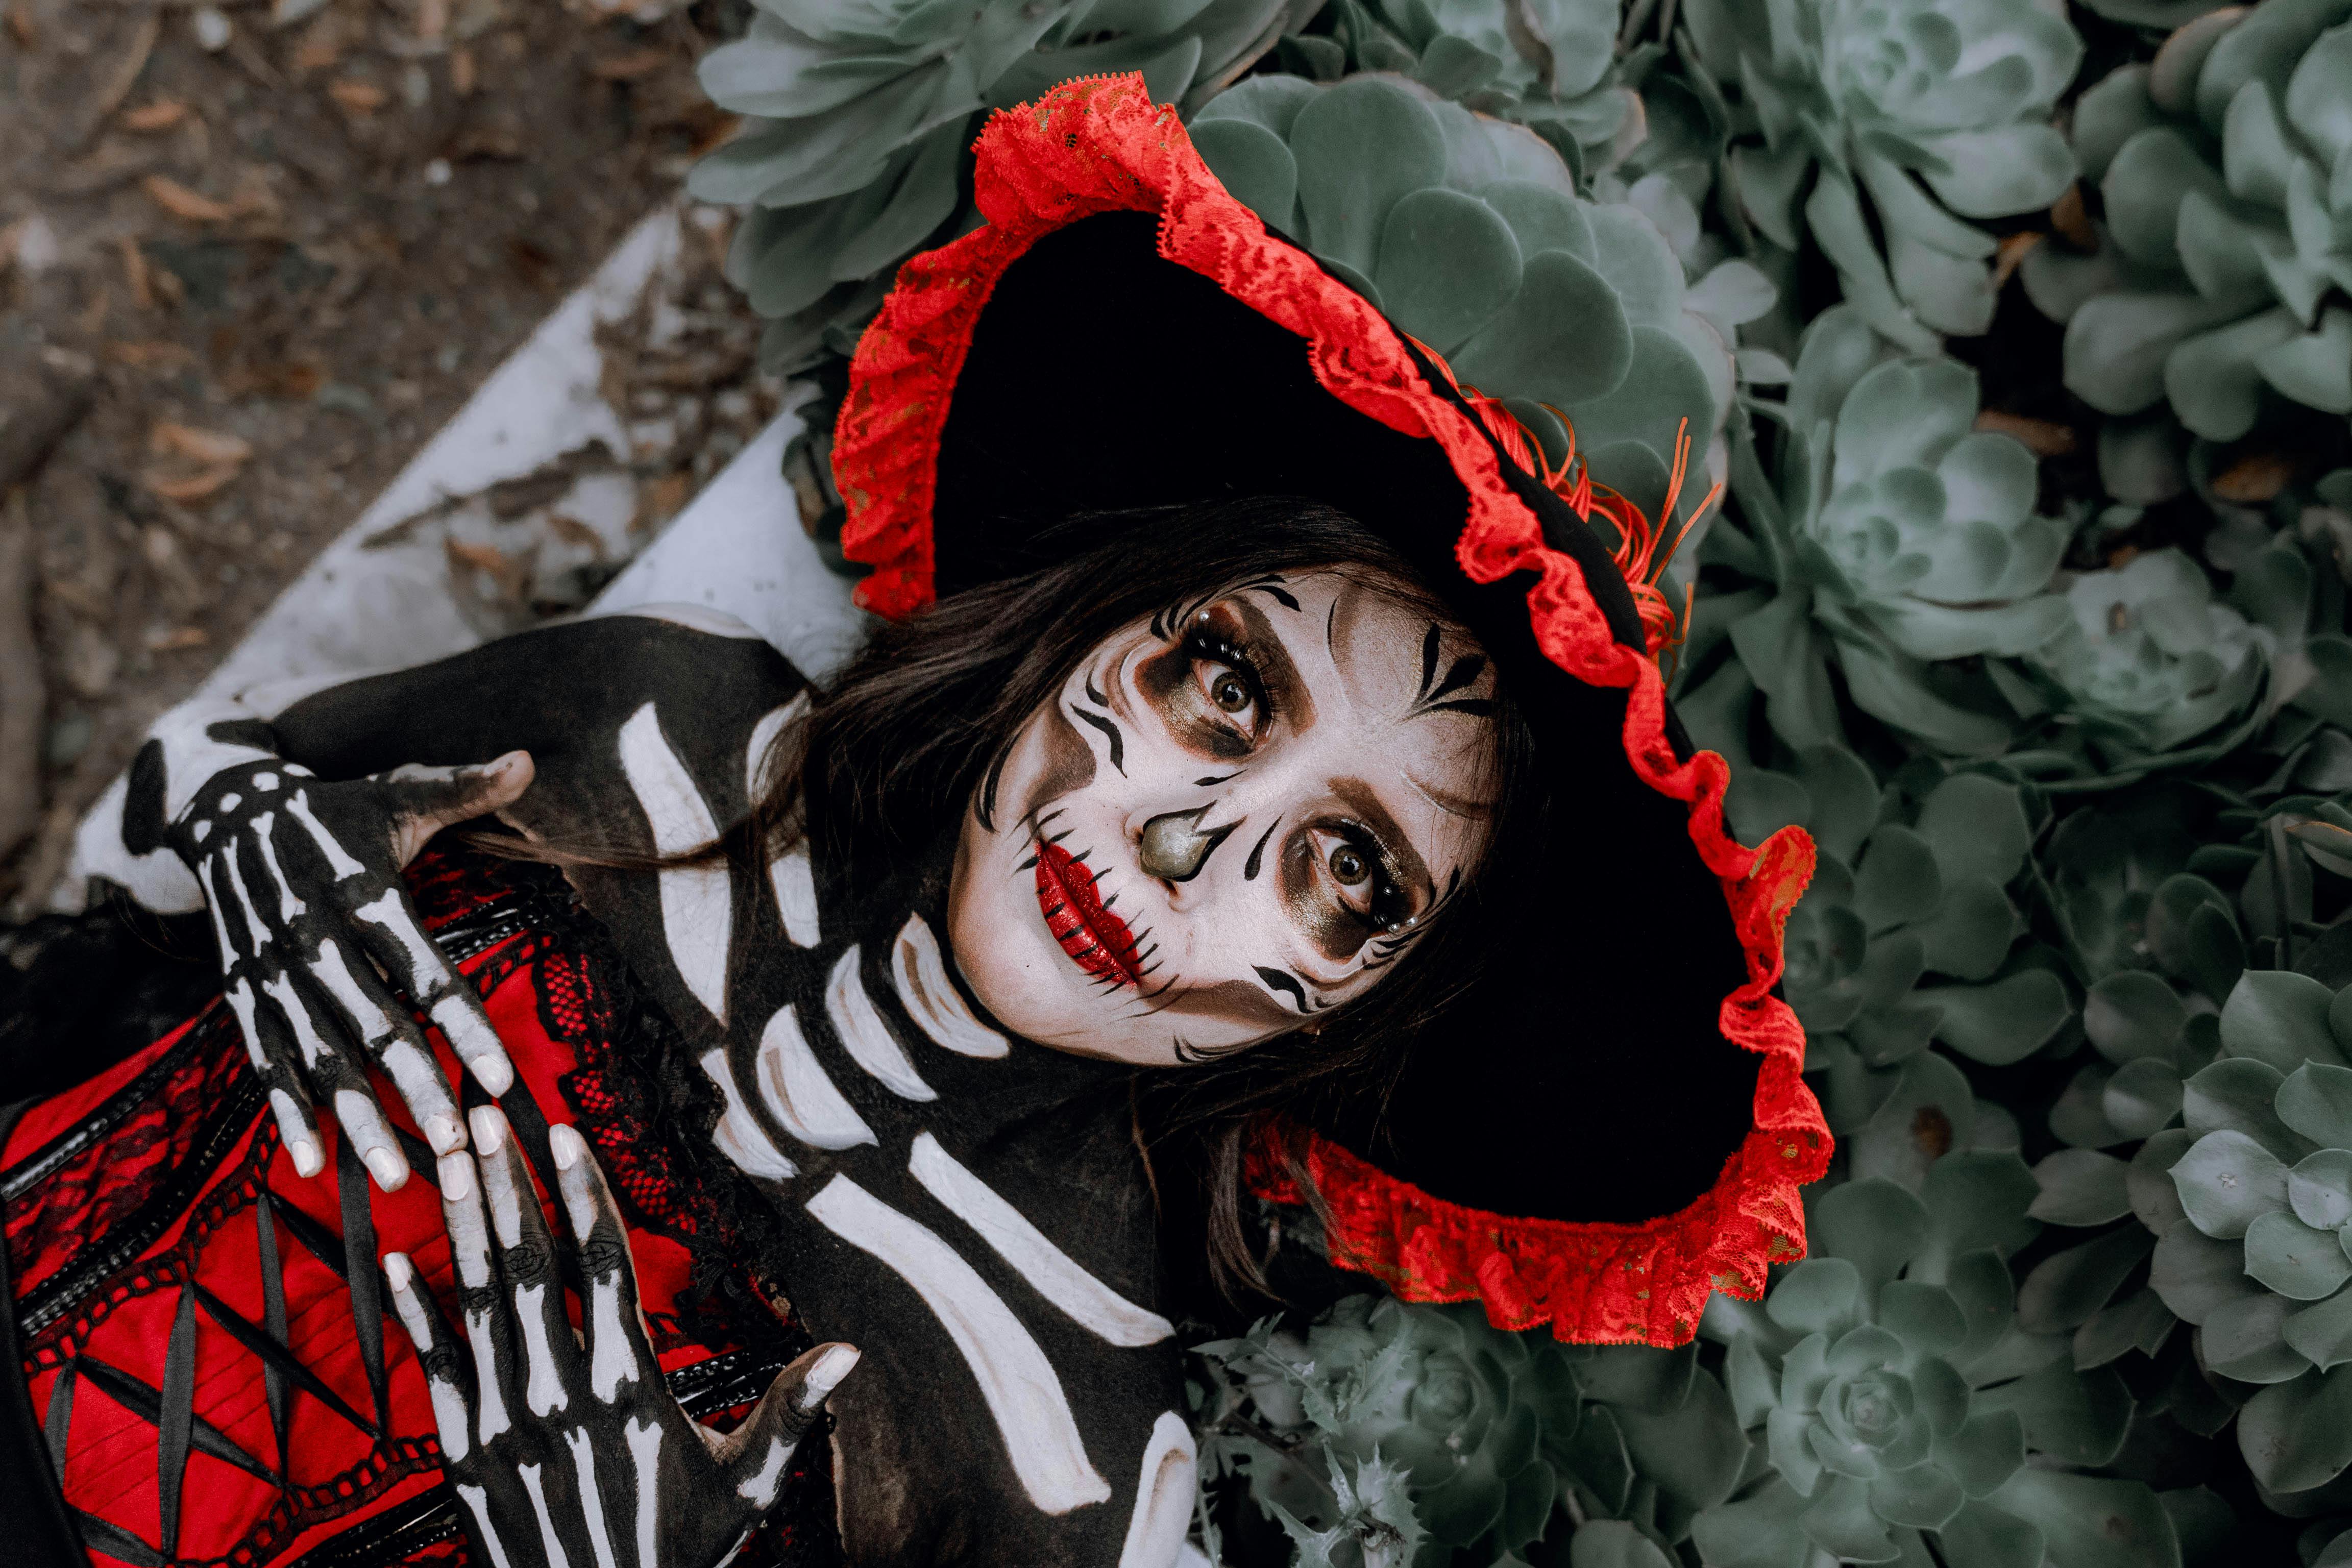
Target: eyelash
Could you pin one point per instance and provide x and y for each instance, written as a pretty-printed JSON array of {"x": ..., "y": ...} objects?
[
  {"x": 1385, "y": 890},
  {"x": 1205, "y": 647}
]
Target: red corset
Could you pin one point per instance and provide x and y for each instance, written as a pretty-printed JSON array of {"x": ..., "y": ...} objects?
[{"x": 212, "y": 1388}]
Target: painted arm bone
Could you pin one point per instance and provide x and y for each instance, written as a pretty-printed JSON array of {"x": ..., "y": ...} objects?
[
  {"x": 567, "y": 1450},
  {"x": 319, "y": 941}
]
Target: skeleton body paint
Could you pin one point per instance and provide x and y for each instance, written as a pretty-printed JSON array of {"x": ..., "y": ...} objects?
[{"x": 1224, "y": 824}]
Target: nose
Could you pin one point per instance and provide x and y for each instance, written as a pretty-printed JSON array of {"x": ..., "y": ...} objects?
[{"x": 1174, "y": 849}]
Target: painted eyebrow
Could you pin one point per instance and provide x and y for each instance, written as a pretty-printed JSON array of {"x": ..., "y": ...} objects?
[
  {"x": 1404, "y": 864},
  {"x": 1291, "y": 698}
]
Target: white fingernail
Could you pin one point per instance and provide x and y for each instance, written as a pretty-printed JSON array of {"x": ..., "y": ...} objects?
[
  {"x": 563, "y": 1139},
  {"x": 836, "y": 1363},
  {"x": 489, "y": 1129},
  {"x": 493, "y": 1071},
  {"x": 391, "y": 1170},
  {"x": 444, "y": 1133},
  {"x": 397, "y": 1270},
  {"x": 307, "y": 1159},
  {"x": 456, "y": 1171}
]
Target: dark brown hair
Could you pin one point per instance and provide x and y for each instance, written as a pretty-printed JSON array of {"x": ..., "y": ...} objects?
[{"x": 895, "y": 745}]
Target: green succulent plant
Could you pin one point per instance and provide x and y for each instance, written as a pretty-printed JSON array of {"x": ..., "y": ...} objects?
[
  {"x": 2252, "y": 1240},
  {"x": 1458, "y": 1408},
  {"x": 1550, "y": 65},
  {"x": 1468, "y": 231},
  {"x": 2225, "y": 166},
  {"x": 1896, "y": 537},
  {"x": 1887, "y": 126},
  {"x": 1896, "y": 1395},
  {"x": 861, "y": 117},
  {"x": 2149, "y": 660}
]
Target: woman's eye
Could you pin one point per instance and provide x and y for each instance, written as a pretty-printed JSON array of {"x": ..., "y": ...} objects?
[
  {"x": 1230, "y": 692},
  {"x": 1348, "y": 867},
  {"x": 1354, "y": 873}
]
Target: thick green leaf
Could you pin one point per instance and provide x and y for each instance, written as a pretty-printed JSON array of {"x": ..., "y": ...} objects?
[
  {"x": 1693, "y": 1453},
  {"x": 2316, "y": 1101},
  {"x": 2297, "y": 1436},
  {"x": 1613, "y": 1543},
  {"x": 2242, "y": 1094},
  {"x": 2088, "y": 1521},
  {"x": 1976, "y": 824},
  {"x": 2134, "y": 1013},
  {"x": 2322, "y": 1333},
  {"x": 1923, "y": 1497},
  {"x": 1361, "y": 147},
  {"x": 1873, "y": 1225},
  {"x": 2280, "y": 1017},
  {"x": 1971, "y": 932},
  {"x": 2142, "y": 1097},
  {"x": 1447, "y": 264},
  {"x": 1975, "y": 1199},
  {"x": 2226, "y": 1181},
  {"x": 2292, "y": 1259},
  {"x": 1842, "y": 1523},
  {"x": 2079, "y": 1186},
  {"x": 1897, "y": 881},
  {"x": 2066, "y": 1288},
  {"x": 1760, "y": 1530},
  {"x": 2197, "y": 1276},
  {"x": 2139, "y": 1321},
  {"x": 2319, "y": 1189},
  {"x": 1254, "y": 164},
  {"x": 2003, "y": 1021},
  {"x": 2156, "y": 1202},
  {"x": 2078, "y": 1417},
  {"x": 2244, "y": 1339},
  {"x": 1562, "y": 339},
  {"x": 2117, "y": 344},
  {"x": 1821, "y": 1294},
  {"x": 1983, "y": 1536}
]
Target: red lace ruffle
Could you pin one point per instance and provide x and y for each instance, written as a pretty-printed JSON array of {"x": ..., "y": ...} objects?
[{"x": 1101, "y": 145}]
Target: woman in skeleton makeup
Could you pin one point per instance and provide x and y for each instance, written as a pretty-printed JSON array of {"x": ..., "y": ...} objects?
[{"x": 1260, "y": 795}]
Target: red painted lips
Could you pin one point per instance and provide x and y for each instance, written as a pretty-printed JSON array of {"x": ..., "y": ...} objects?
[{"x": 1096, "y": 939}]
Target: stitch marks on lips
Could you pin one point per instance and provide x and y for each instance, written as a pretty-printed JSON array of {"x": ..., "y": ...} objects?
[{"x": 1096, "y": 939}]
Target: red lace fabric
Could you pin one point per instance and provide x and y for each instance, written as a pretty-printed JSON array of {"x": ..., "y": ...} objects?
[{"x": 1101, "y": 145}]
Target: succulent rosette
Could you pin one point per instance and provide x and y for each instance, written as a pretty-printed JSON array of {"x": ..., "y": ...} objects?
[
  {"x": 1896, "y": 1398},
  {"x": 2226, "y": 250},
  {"x": 1886, "y": 128},
  {"x": 2149, "y": 660},
  {"x": 1896, "y": 537},
  {"x": 860, "y": 118},
  {"x": 1468, "y": 231},
  {"x": 2254, "y": 1239}
]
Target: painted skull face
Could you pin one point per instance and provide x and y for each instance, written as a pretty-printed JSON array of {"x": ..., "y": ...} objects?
[{"x": 1232, "y": 818}]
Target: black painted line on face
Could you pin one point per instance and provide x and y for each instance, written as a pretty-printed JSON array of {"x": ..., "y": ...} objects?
[
  {"x": 1271, "y": 587},
  {"x": 1428, "y": 660},
  {"x": 1110, "y": 729},
  {"x": 1217, "y": 779},
  {"x": 1250, "y": 866},
  {"x": 1284, "y": 981},
  {"x": 988, "y": 789}
]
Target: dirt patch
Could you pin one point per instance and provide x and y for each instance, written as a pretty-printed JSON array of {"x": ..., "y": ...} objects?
[{"x": 280, "y": 244}]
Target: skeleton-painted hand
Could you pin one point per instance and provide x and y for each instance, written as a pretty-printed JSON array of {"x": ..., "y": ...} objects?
[
  {"x": 303, "y": 877},
  {"x": 572, "y": 1455}
]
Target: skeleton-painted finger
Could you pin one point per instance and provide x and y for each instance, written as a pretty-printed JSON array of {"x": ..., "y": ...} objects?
[
  {"x": 447, "y": 1378},
  {"x": 489, "y": 1320},
  {"x": 620, "y": 1357},
  {"x": 369, "y": 1014},
  {"x": 526, "y": 1256},
  {"x": 422, "y": 800},
  {"x": 276, "y": 1062},
  {"x": 334, "y": 1069},
  {"x": 387, "y": 929},
  {"x": 756, "y": 1455}
]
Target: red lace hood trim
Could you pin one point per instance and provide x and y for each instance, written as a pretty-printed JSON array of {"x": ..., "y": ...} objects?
[{"x": 1101, "y": 145}]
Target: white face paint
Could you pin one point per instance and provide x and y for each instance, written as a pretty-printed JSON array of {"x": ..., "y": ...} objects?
[{"x": 1232, "y": 818}]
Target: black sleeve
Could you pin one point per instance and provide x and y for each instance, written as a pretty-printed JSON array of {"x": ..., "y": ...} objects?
[{"x": 560, "y": 692}]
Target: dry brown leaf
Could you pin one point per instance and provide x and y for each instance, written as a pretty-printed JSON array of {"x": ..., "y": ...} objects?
[
  {"x": 135, "y": 272},
  {"x": 187, "y": 487},
  {"x": 175, "y": 639},
  {"x": 2254, "y": 479},
  {"x": 631, "y": 66},
  {"x": 357, "y": 97},
  {"x": 183, "y": 203},
  {"x": 154, "y": 354},
  {"x": 161, "y": 115},
  {"x": 508, "y": 578},
  {"x": 660, "y": 500},
  {"x": 2072, "y": 222},
  {"x": 316, "y": 53},
  {"x": 432, "y": 18},
  {"x": 2043, "y": 437},
  {"x": 461, "y": 71},
  {"x": 2012, "y": 252},
  {"x": 170, "y": 439},
  {"x": 574, "y": 531},
  {"x": 21, "y": 26}
]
